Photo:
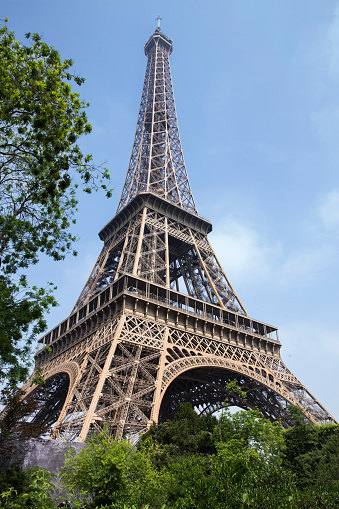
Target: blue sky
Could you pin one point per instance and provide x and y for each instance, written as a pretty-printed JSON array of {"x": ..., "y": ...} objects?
[{"x": 256, "y": 85}]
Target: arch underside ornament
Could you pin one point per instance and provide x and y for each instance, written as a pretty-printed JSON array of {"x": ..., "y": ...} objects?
[
  {"x": 52, "y": 395},
  {"x": 202, "y": 381}
]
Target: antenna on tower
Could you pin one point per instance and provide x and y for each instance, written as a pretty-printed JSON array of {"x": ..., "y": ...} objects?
[{"x": 158, "y": 19}]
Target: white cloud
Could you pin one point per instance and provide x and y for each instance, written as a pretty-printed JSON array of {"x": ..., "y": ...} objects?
[
  {"x": 248, "y": 256},
  {"x": 242, "y": 251},
  {"x": 329, "y": 211}
]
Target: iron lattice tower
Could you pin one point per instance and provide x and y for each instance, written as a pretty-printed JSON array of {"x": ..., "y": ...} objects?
[{"x": 158, "y": 322}]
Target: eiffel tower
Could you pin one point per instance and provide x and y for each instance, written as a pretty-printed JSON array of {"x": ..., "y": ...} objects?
[{"x": 158, "y": 322}]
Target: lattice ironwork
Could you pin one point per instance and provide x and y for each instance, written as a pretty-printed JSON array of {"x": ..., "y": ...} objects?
[
  {"x": 158, "y": 322},
  {"x": 156, "y": 248},
  {"x": 157, "y": 162}
]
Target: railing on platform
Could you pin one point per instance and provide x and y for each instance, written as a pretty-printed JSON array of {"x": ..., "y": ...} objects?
[{"x": 165, "y": 296}]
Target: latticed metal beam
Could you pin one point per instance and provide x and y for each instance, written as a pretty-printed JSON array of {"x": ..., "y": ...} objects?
[{"x": 157, "y": 162}]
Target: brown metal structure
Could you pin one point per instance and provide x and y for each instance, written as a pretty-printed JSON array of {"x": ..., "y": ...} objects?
[{"x": 158, "y": 322}]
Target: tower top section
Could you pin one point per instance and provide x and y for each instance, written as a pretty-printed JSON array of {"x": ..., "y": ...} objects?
[
  {"x": 158, "y": 38},
  {"x": 157, "y": 163}
]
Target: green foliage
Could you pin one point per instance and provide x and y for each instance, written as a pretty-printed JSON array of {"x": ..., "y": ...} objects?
[
  {"x": 40, "y": 122},
  {"x": 328, "y": 466},
  {"x": 246, "y": 468},
  {"x": 26, "y": 489},
  {"x": 173, "y": 465},
  {"x": 22, "y": 315},
  {"x": 14, "y": 479},
  {"x": 108, "y": 471},
  {"x": 323, "y": 497},
  {"x": 249, "y": 460},
  {"x": 312, "y": 452},
  {"x": 193, "y": 481},
  {"x": 97, "y": 470},
  {"x": 300, "y": 439},
  {"x": 40, "y": 490},
  {"x": 187, "y": 433},
  {"x": 126, "y": 506},
  {"x": 246, "y": 440},
  {"x": 41, "y": 166}
]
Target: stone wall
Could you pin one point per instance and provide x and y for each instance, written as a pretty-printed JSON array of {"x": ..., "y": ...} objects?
[{"x": 49, "y": 454}]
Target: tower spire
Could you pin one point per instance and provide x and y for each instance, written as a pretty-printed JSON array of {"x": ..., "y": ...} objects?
[
  {"x": 158, "y": 19},
  {"x": 157, "y": 163}
]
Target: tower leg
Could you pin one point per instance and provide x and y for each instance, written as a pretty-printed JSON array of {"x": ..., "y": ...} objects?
[
  {"x": 90, "y": 414},
  {"x": 157, "y": 394}
]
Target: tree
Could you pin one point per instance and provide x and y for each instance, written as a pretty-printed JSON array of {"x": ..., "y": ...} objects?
[
  {"x": 107, "y": 471},
  {"x": 188, "y": 433},
  {"x": 247, "y": 437},
  {"x": 26, "y": 488},
  {"x": 244, "y": 471},
  {"x": 41, "y": 168},
  {"x": 328, "y": 466},
  {"x": 233, "y": 461},
  {"x": 301, "y": 445},
  {"x": 312, "y": 451},
  {"x": 21, "y": 314}
]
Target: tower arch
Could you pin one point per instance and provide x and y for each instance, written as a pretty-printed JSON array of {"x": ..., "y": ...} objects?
[
  {"x": 203, "y": 381},
  {"x": 53, "y": 394}
]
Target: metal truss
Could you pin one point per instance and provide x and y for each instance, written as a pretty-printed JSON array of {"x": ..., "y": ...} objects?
[
  {"x": 158, "y": 322},
  {"x": 166, "y": 252},
  {"x": 157, "y": 162},
  {"x": 134, "y": 371}
]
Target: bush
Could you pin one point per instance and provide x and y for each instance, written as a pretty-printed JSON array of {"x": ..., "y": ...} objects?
[{"x": 31, "y": 488}]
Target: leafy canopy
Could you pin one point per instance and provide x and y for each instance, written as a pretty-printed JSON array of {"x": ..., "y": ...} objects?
[
  {"x": 107, "y": 471},
  {"x": 41, "y": 167}
]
